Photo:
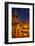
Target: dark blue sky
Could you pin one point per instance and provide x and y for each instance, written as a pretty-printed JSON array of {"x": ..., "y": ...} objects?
[{"x": 22, "y": 12}]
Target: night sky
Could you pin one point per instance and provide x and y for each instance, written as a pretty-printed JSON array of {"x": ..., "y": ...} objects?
[{"x": 22, "y": 12}]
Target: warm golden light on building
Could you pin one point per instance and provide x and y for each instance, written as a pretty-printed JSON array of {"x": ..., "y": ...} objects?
[
  {"x": 25, "y": 29},
  {"x": 25, "y": 26},
  {"x": 18, "y": 25},
  {"x": 25, "y": 34}
]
